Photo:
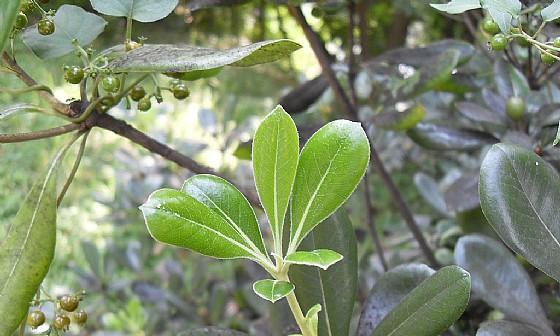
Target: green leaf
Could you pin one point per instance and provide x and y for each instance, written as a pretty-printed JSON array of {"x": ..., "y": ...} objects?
[
  {"x": 388, "y": 291},
  {"x": 335, "y": 289},
  {"x": 312, "y": 318},
  {"x": 519, "y": 194},
  {"x": 178, "y": 219},
  {"x": 275, "y": 160},
  {"x": 438, "y": 137},
  {"x": 457, "y": 6},
  {"x": 272, "y": 290},
  {"x": 421, "y": 56},
  {"x": 502, "y": 11},
  {"x": 184, "y": 58},
  {"x": 322, "y": 258},
  {"x": 195, "y": 75},
  {"x": 430, "y": 308},
  {"x": 499, "y": 279},
  {"x": 28, "y": 249},
  {"x": 489, "y": 120},
  {"x": 400, "y": 121},
  {"x": 8, "y": 12},
  {"x": 211, "y": 331},
  {"x": 331, "y": 165},
  {"x": 552, "y": 12},
  {"x": 72, "y": 23},
  {"x": 506, "y": 328},
  {"x": 430, "y": 191},
  {"x": 228, "y": 202},
  {"x": 139, "y": 10}
]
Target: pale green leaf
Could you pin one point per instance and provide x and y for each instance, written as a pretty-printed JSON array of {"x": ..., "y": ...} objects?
[
  {"x": 552, "y": 12},
  {"x": 72, "y": 23},
  {"x": 502, "y": 11},
  {"x": 457, "y": 6},
  {"x": 139, "y": 10},
  {"x": 312, "y": 318},
  {"x": 8, "y": 12},
  {"x": 27, "y": 250},
  {"x": 275, "y": 160},
  {"x": 331, "y": 165},
  {"x": 272, "y": 290},
  {"x": 178, "y": 219},
  {"x": 431, "y": 307},
  {"x": 227, "y": 201},
  {"x": 322, "y": 258}
]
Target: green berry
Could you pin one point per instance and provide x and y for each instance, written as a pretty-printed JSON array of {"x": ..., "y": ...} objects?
[
  {"x": 137, "y": 93},
  {"x": 498, "y": 42},
  {"x": 547, "y": 58},
  {"x": 27, "y": 7},
  {"x": 556, "y": 42},
  {"x": 181, "y": 91},
  {"x": 106, "y": 103},
  {"x": 21, "y": 21},
  {"x": 61, "y": 322},
  {"x": 317, "y": 12},
  {"x": 74, "y": 75},
  {"x": 36, "y": 318},
  {"x": 111, "y": 84},
  {"x": 45, "y": 27},
  {"x": 80, "y": 317},
  {"x": 490, "y": 27},
  {"x": 144, "y": 104},
  {"x": 69, "y": 302},
  {"x": 515, "y": 108}
]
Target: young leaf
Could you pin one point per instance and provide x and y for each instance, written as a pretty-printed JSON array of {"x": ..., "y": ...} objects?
[
  {"x": 331, "y": 165},
  {"x": 139, "y": 10},
  {"x": 312, "y": 318},
  {"x": 388, "y": 291},
  {"x": 335, "y": 289},
  {"x": 431, "y": 307},
  {"x": 184, "y": 58},
  {"x": 506, "y": 328},
  {"x": 227, "y": 201},
  {"x": 272, "y": 290},
  {"x": 178, "y": 219},
  {"x": 275, "y": 160},
  {"x": 552, "y": 12},
  {"x": 457, "y": 6},
  {"x": 322, "y": 258},
  {"x": 72, "y": 23},
  {"x": 519, "y": 194},
  {"x": 499, "y": 279},
  {"x": 8, "y": 12},
  {"x": 27, "y": 250}
]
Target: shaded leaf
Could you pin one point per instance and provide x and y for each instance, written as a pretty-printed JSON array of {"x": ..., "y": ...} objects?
[
  {"x": 437, "y": 137},
  {"x": 337, "y": 291},
  {"x": 388, "y": 291},
  {"x": 519, "y": 194},
  {"x": 495, "y": 102},
  {"x": 424, "y": 55},
  {"x": 93, "y": 259},
  {"x": 195, "y": 75},
  {"x": 8, "y": 12},
  {"x": 272, "y": 290},
  {"x": 139, "y": 10},
  {"x": 322, "y": 258},
  {"x": 506, "y": 328},
  {"x": 462, "y": 195},
  {"x": 457, "y": 6},
  {"x": 228, "y": 202},
  {"x": 400, "y": 121},
  {"x": 499, "y": 279},
  {"x": 72, "y": 23},
  {"x": 331, "y": 165},
  {"x": 551, "y": 12},
  {"x": 429, "y": 190},
  {"x": 8, "y": 111},
  {"x": 194, "y": 5},
  {"x": 431, "y": 307},
  {"x": 490, "y": 120},
  {"x": 211, "y": 331},
  {"x": 183, "y": 58}
]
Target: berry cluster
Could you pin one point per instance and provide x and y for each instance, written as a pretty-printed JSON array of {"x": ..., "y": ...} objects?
[
  {"x": 66, "y": 308},
  {"x": 45, "y": 26}
]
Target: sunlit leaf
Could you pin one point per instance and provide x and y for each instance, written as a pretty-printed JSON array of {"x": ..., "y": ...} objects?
[
  {"x": 457, "y": 6},
  {"x": 272, "y": 290},
  {"x": 322, "y": 258},
  {"x": 139, "y": 10},
  {"x": 502, "y": 11}
]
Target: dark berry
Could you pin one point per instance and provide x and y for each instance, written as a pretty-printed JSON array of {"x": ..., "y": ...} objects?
[
  {"x": 144, "y": 104},
  {"x": 27, "y": 7},
  {"x": 80, "y": 317},
  {"x": 180, "y": 91},
  {"x": 45, "y": 27},
  {"x": 137, "y": 93},
  {"x": 36, "y": 318},
  {"x": 61, "y": 322},
  {"x": 69, "y": 302}
]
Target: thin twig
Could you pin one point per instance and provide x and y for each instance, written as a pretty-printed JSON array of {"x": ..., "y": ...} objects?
[
  {"x": 36, "y": 135},
  {"x": 74, "y": 170},
  {"x": 370, "y": 219}
]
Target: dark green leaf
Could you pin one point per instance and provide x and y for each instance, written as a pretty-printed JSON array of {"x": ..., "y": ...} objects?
[
  {"x": 8, "y": 12},
  {"x": 462, "y": 195},
  {"x": 429, "y": 190},
  {"x": 388, "y": 291},
  {"x": 400, "y": 121},
  {"x": 502, "y": 78},
  {"x": 457, "y": 6},
  {"x": 489, "y": 120},
  {"x": 272, "y": 290},
  {"x": 446, "y": 138},
  {"x": 499, "y": 279},
  {"x": 211, "y": 331},
  {"x": 519, "y": 194},
  {"x": 139, "y": 10},
  {"x": 425, "y": 55},
  {"x": 337, "y": 287},
  {"x": 27, "y": 250},
  {"x": 552, "y": 12},
  {"x": 72, "y": 23},
  {"x": 431, "y": 307},
  {"x": 331, "y": 165},
  {"x": 506, "y": 328},
  {"x": 228, "y": 202},
  {"x": 183, "y": 58}
]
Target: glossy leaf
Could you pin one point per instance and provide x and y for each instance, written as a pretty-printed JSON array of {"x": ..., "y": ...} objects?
[
  {"x": 334, "y": 289},
  {"x": 27, "y": 250},
  {"x": 429, "y": 190},
  {"x": 275, "y": 160},
  {"x": 506, "y": 328},
  {"x": 490, "y": 120},
  {"x": 139, "y": 10},
  {"x": 228, "y": 202},
  {"x": 183, "y": 58},
  {"x": 8, "y": 12},
  {"x": 272, "y": 290},
  {"x": 72, "y": 23},
  {"x": 457, "y": 6},
  {"x": 322, "y": 258},
  {"x": 400, "y": 121},
  {"x": 178, "y": 219},
  {"x": 331, "y": 165},
  {"x": 388, "y": 291},
  {"x": 499, "y": 279},
  {"x": 462, "y": 195},
  {"x": 431, "y": 307},
  {"x": 446, "y": 138},
  {"x": 502, "y": 11},
  {"x": 551, "y": 12},
  {"x": 502, "y": 78},
  {"x": 519, "y": 194}
]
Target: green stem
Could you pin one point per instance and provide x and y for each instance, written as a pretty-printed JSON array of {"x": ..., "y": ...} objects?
[
  {"x": 296, "y": 309},
  {"x": 128, "y": 29},
  {"x": 75, "y": 167},
  {"x": 26, "y": 89}
]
